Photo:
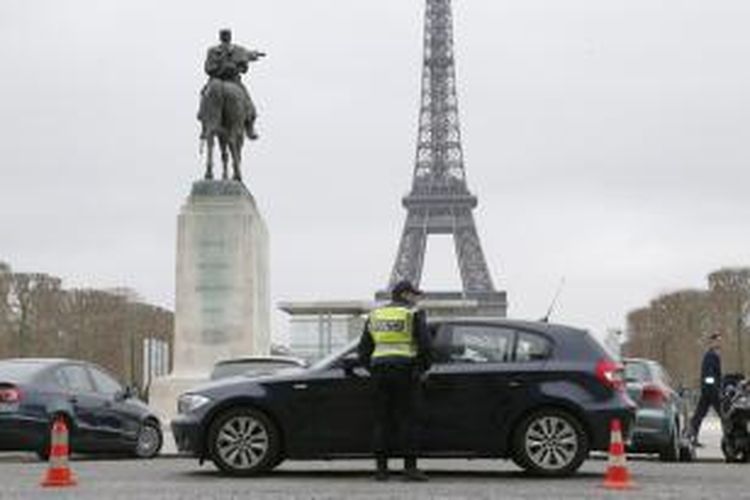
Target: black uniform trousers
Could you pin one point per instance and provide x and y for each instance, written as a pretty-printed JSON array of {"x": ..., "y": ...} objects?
[
  {"x": 709, "y": 399},
  {"x": 396, "y": 392}
]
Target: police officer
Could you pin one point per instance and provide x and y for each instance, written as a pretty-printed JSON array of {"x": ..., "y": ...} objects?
[
  {"x": 395, "y": 346},
  {"x": 710, "y": 386}
]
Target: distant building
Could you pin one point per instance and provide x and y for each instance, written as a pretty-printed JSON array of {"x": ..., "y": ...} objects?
[{"x": 319, "y": 328}]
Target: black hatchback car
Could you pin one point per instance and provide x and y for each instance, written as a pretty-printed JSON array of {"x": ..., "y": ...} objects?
[
  {"x": 543, "y": 395},
  {"x": 102, "y": 416}
]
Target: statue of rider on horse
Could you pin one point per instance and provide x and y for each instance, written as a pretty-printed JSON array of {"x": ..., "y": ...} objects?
[{"x": 227, "y": 112}]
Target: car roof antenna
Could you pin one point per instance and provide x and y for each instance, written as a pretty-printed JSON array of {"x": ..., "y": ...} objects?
[{"x": 545, "y": 319}]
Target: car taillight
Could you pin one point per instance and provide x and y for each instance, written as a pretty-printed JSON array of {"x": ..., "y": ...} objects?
[
  {"x": 610, "y": 374},
  {"x": 10, "y": 395},
  {"x": 653, "y": 395}
]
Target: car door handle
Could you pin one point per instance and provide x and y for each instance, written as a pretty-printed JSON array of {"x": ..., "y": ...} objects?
[
  {"x": 513, "y": 384},
  {"x": 299, "y": 387},
  {"x": 73, "y": 399}
]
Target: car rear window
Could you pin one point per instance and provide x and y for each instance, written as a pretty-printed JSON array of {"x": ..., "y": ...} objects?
[
  {"x": 637, "y": 372},
  {"x": 19, "y": 372},
  {"x": 531, "y": 347}
]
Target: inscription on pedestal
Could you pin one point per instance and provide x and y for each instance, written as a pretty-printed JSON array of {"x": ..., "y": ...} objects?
[{"x": 221, "y": 277}]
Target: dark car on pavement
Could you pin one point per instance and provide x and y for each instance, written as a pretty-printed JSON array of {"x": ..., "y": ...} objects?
[
  {"x": 101, "y": 414},
  {"x": 543, "y": 395},
  {"x": 254, "y": 365},
  {"x": 661, "y": 421}
]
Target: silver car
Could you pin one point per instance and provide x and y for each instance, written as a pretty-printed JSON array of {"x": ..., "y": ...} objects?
[{"x": 661, "y": 421}]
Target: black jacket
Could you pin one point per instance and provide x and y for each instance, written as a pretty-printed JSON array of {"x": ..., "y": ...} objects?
[
  {"x": 711, "y": 369},
  {"x": 421, "y": 337}
]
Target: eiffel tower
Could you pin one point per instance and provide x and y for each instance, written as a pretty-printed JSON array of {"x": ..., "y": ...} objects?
[{"x": 440, "y": 201}]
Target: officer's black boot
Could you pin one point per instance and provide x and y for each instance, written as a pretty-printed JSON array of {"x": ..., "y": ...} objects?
[
  {"x": 381, "y": 472},
  {"x": 411, "y": 473}
]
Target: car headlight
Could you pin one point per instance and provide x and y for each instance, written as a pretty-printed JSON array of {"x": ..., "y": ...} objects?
[{"x": 190, "y": 402}]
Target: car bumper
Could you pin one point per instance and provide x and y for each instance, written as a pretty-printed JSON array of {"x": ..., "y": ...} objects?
[
  {"x": 652, "y": 430},
  {"x": 22, "y": 433},
  {"x": 188, "y": 435}
]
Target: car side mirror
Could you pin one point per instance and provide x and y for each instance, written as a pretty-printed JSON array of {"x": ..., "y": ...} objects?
[
  {"x": 128, "y": 392},
  {"x": 349, "y": 364}
]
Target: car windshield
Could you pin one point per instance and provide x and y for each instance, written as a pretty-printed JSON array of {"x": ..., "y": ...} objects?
[
  {"x": 324, "y": 362},
  {"x": 250, "y": 367},
  {"x": 19, "y": 371},
  {"x": 637, "y": 372}
]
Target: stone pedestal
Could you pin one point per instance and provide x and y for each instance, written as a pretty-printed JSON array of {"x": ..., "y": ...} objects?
[{"x": 222, "y": 303}]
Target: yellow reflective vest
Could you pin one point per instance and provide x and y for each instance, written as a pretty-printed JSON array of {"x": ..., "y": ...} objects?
[{"x": 391, "y": 329}]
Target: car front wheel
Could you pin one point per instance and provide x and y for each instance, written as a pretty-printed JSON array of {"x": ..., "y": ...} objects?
[
  {"x": 243, "y": 442},
  {"x": 550, "y": 442},
  {"x": 149, "y": 441}
]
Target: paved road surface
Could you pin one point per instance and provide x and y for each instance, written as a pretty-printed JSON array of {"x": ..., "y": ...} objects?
[
  {"x": 181, "y": 478},
  {"x": 174, "y": 478}
]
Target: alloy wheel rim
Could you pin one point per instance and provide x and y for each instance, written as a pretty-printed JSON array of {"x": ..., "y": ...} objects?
[
  {"x": 148, "y": 441},
  {"x": 551, "y": 442},
  {"x": 242, "y": 442}
]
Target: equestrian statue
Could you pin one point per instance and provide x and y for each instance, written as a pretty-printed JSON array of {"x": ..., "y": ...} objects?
[{"x": 227, "y": 112}]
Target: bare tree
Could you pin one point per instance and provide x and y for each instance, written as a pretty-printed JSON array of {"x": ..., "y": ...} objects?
[
  {"x": 29, "y": 296},
  {"x": 730, "y": 300},
  {"x": 39, "y": 318},
  {"x": 669, "y": 331},
  {"x": 6, "y": 319},
  {"x": 638, "y": 333}
]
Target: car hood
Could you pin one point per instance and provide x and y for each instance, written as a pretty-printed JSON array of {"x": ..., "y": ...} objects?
[
  {"x": 242, "y": 382},
  {"x": 138, "y": 404}
]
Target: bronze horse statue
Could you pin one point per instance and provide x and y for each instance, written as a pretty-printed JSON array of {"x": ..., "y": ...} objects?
[{"x": 223, "y": 113}]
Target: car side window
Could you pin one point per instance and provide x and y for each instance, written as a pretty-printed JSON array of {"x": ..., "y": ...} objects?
[
  {"x": 531, "y": 347},
  {"x": 104, "y": 383},
  {"x": 76, "y": 378},
  {"x": 60, "y": 379},
  {"x": 476, "y": 344}
]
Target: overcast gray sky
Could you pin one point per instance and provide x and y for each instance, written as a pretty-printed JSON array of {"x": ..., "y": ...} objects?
[{"x": 607, "y": 141}]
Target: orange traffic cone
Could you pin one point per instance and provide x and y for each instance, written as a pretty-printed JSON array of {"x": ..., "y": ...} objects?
[
  {"x": 618, "y": 475},
  {"x": 58, "y": 473}
]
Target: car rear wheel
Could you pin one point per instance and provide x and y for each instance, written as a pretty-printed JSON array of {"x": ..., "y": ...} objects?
[
  {"x": 671, "y": 452},
  {"x": 550, "y": 442},
  {"x": 44, "y": 452},
  {"x": 150, "y": 440},
  {"x": 243, "y": 442}
]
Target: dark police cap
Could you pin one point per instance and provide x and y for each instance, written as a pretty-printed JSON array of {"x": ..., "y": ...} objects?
[{"x": 403, "y": 287}]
